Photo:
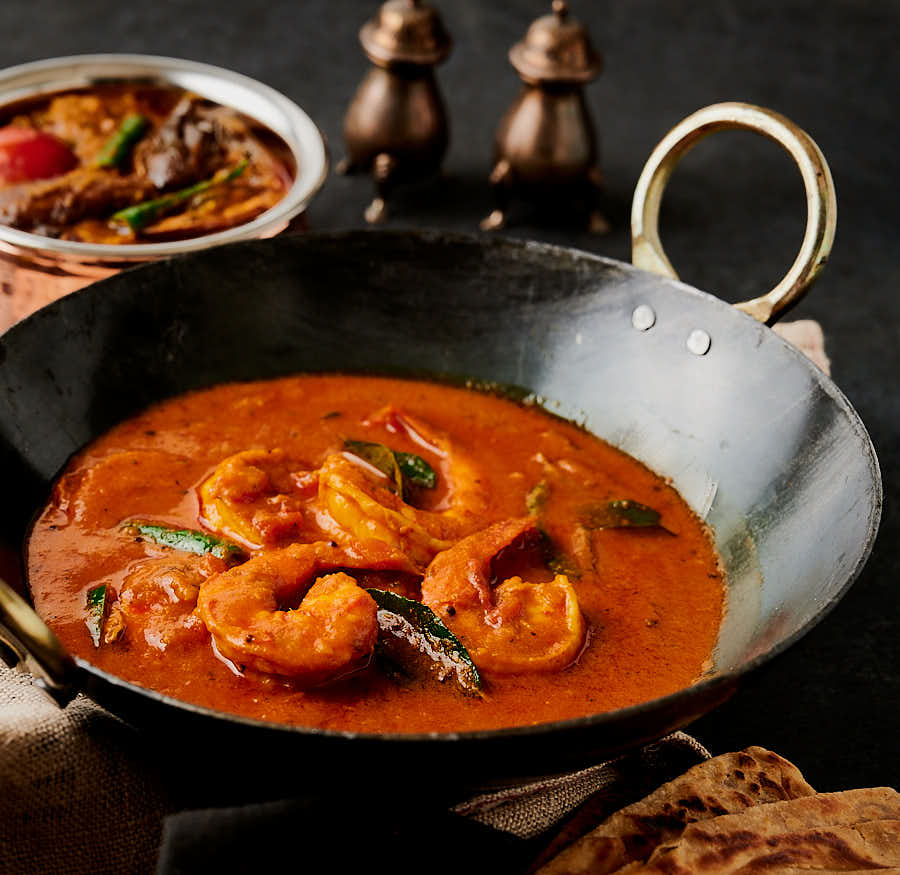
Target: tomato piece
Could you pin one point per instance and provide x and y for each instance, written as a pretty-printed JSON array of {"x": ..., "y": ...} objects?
[{"x": 27, "y": 154}]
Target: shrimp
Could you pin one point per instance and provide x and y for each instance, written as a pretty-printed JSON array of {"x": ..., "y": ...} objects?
[
  {"x": 158, "y": 597},
  {"x": 511, "y": 628},
  {"x": 360, "y": 501},
  {"x": 257, "y": 497},
  {"x": 328, "y": 634}
]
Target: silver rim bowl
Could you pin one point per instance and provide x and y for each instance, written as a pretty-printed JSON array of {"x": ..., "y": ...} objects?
[{"x": 234, "y": 90}]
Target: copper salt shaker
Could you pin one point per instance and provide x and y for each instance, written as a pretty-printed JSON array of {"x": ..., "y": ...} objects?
[
  {"x": 396, "y": 126},
  {"x": 545, "y": 146}
]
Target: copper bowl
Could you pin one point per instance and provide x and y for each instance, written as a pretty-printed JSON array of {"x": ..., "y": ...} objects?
[{"x": 35, "y": 270}]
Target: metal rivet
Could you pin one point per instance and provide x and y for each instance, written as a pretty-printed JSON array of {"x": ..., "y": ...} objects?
[
  {"x": 643, "y": 317},
  {"x": 699, "y": 342}
]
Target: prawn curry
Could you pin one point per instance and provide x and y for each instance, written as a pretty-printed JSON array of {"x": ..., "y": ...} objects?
[
  {"x": 135, "y": 164},
  {"x": 374, "y": 554}
]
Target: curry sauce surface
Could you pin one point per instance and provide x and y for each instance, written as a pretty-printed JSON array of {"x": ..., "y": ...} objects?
[{"x": 653, "y": 601}]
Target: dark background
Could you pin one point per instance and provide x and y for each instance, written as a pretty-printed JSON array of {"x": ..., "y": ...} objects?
[{"x": 734, "y": 215}]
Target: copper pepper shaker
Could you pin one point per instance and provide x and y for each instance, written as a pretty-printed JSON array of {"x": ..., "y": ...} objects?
[
  {"x": 396, "y": 126},
  {"x": 545, "y": 146}
]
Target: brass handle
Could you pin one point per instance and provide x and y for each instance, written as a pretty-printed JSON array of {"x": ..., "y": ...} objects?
[
  {"x": 647, "y": 251},
  {"x": 34, "y": 648}
]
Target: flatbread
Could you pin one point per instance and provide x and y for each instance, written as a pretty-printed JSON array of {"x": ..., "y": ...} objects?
[
  {"x": 728, "y": 783},
  {"x": 793, "y": 870},
  {"x": 823, "y": 809},
  {"x": 856, "y": 829}
]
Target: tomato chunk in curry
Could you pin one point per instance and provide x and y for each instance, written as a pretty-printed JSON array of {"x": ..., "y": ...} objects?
[{"x": 374, "y": 554}]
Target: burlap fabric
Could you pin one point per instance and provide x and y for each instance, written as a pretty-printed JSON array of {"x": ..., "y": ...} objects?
[
  {"x": 76, "y": 792},
  {"x": 531, "y": 809}
]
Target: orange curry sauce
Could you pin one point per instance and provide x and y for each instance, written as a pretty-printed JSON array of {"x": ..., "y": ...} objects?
[{"x": 652, "y": 601}]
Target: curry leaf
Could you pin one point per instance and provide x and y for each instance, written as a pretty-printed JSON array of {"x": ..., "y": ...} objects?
[
  {"x": 556, "y": 559},
  {"x": 378, "y": 456},
  {"x": 416, "y": 470},
  {"x": 618, "y": 514},
  {"x": 537, "y": 497},
  {"x": 562, "y": 563},
  {"x": 414, "y": 637},
  {"x": 187, "y": 540},
  {"x": 399, "y": 468},
  {"x": 96, "y": 612}
]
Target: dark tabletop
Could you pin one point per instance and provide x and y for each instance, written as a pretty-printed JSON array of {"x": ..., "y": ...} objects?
[{"x": 733, "y": 217}]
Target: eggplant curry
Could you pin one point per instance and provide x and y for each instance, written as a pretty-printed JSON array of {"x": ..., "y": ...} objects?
[
  {"x": 374, "y": 554},
  {"x": 128, "y": 164}
]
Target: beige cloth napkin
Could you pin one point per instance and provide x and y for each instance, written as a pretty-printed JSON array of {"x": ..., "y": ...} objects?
[
  {"x": 531, "y": 809},
  {"x": 77, "y": 793}
]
